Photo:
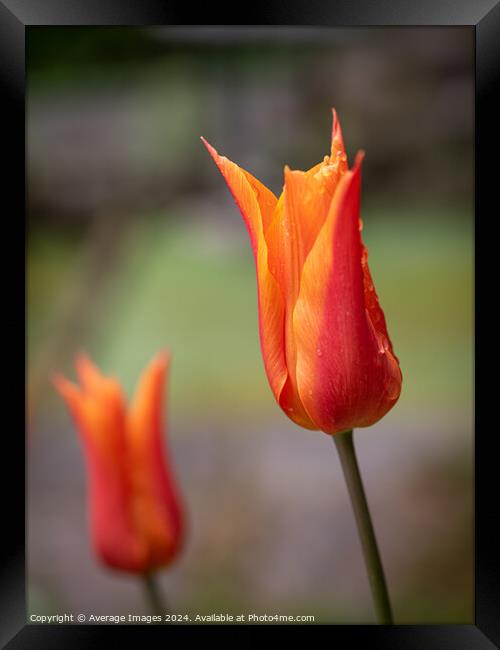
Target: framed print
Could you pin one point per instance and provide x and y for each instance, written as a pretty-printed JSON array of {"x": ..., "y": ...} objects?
[{"x": 251, "y": 273}]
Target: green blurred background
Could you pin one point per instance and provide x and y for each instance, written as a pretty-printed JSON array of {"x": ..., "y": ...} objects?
[{"x": 135, "y": 244}]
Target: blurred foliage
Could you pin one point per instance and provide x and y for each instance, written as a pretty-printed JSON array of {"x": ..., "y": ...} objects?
[
  {"x": 115, "y": 121},
  {"x": 182, "y": 286},
  {"x": 53, "y": 53}
]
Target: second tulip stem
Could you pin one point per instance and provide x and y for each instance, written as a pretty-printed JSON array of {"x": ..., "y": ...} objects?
[
  {"x": 153, "y": 595},
  {"x": 345, "y": 447}
]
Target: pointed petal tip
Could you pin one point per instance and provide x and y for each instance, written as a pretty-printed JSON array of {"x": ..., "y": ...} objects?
[
  {"x": 89, "y": 375},
  {"x": 158, "y": 366},
  {"x": 66, "y": 389},
  {"x": 164, "y": 352},
  {"x": 83, "y": 362},
  {"x": 58, "y": 381},
  {"x": 211, "y": 150},
  {"x": 81, "y": 357},
  {"x": 162, "y": 358},
  {"x": 358, "y": 160},
  {"x": 336, "y": 130},
  {"x": 288, "y": 172}
]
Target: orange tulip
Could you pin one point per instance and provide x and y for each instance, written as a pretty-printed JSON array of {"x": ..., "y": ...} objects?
[
  {"x": 323, "y": 335},
  {"x": 135, "y": 512}
]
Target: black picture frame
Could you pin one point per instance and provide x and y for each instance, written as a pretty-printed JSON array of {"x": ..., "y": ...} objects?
[{"x": 483, "y": 16}]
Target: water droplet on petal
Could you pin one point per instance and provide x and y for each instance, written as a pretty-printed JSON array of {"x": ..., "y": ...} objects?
[{"x": 383, "y": 346}]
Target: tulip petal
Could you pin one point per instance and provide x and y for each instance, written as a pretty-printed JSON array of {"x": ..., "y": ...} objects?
[
  {"x": 255, "y": 201},
  {"x": 99, "y": 414},
  {"x": 301, "y": 211},
  {"x": 89, "y": 374},
  {"x": 257, "y": 205},
  {"x": 146, "y": 408},
  {"x": 70, "y": 392},
  {"x": 98, "y": 407},
  {"x": 298, "y": 218},
  {"x": 345, "y": 376},
  {"x": 155, "y": 504},
  {"x": 337, "y": 138}
]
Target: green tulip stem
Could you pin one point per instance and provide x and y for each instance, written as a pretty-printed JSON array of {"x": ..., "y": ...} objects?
[
  {"x": 345, "y": 447},
  {"x": 154, "y": 596}
]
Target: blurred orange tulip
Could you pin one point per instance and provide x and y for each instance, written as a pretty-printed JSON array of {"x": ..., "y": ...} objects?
[
  {"x": 323, "y": 335},
  {"x": 135, "y": 512}
]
